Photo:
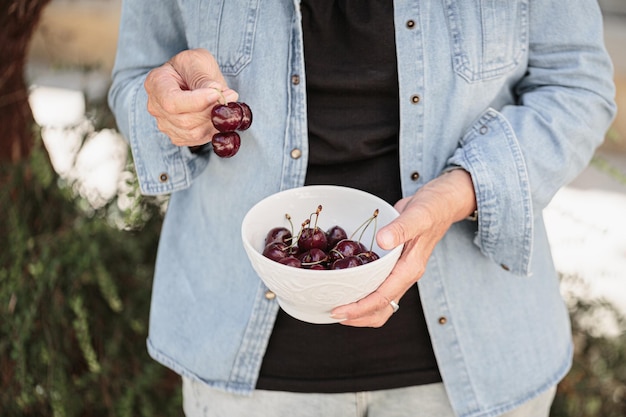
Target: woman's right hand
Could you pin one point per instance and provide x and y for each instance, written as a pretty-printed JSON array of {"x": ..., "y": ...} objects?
[{"x": 181, "y": 94}]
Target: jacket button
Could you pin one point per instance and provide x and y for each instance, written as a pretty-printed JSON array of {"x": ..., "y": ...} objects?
[
  {"x": 410, "y": 24},
  {"x": 295, "y": 79},
  {"x": 164, "y": 177},
  {"x": 483, "y": 130},
  {"x": 270, "y": 295},
  {"x": 442, "y": 320},
  {"x": 296, "y": 153},
  {"x": 415, "y": 98},
  {"x": 415, "y": 175}
]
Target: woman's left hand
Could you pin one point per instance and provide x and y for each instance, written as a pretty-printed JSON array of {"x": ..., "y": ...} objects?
[{"x": 424, "y": 219}]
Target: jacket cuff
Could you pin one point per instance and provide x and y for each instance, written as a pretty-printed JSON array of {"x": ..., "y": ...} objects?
[
  {"x": 161, "y": 166},
  {"x": 491, "y": 153}
]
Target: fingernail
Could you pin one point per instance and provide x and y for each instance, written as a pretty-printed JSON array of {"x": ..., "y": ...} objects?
[{"x": 337, "y": 316}]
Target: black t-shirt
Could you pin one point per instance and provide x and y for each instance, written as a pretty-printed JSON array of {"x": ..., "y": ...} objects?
[
  {"x": 353, "y": 120},
  {"x": 352, "y": 95}
]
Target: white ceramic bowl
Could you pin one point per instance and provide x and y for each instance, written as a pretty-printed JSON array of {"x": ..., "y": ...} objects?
[{"x": 310, "y": 295}]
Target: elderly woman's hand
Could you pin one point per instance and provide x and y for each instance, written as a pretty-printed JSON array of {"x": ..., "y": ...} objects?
[
  {"x": 424, "y": 219},
  {"x": 182, "y": 93}
]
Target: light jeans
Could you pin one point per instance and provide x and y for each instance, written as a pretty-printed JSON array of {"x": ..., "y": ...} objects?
[{"x": 429, "y": 400}]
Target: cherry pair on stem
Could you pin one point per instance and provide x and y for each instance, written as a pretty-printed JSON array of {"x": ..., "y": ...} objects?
[{"x": 228, "y": 118}]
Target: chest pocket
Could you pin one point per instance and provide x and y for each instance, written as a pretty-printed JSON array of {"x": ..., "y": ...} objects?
[
  {"x": 488, "y": 38},
  {"x": 227, "y": 28}
]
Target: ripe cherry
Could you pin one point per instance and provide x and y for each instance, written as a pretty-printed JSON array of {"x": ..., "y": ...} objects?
[
  {"x": 368, "y": 256},
  {"x": 246, "y": 118},
  {"x": 226, "y": 144},
  {"x": 313, "y": 256},
  {"x": 312, "y": 237},
  {"x": 291, "y": 261},
  {"x": 227, "y": 117},
  {"x": 334, "y": 235},
  {"x": 231, "y": 116},
  {"x": 345, "y": 248},
  {"x": 276, "y": 251},
  {"x": 278, "y": 234},
  {"x": 344, "y": 263}
]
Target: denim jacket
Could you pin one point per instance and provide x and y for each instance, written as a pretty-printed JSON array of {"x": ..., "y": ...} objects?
[{"x": 519, "y": 93}]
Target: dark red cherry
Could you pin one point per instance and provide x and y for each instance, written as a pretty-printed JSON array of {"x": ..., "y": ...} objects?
[
  {"x": 278, "y": 234},
  {"x": 291, "y": 261},
  {"x": 313, "y": 256},
  {"x": 334, "y": 235},
  {"x": 368, "y": 256},
  {"x": 347, "y": 247},
  {"x": 276, "y": 251},
  {"x": 318, "y": 267},
  {"x": 227, "y": 117},
  {"x": 226, "y": 144},
  {"x": 344, "y": 263},
  {"x": 312, "y": 238},
  {"x": 246, "y": 118}
]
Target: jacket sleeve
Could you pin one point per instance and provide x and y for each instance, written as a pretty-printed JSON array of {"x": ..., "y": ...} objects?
[
  {"x": 520, "y": 155},
  {"x": 150, "y": 33}
]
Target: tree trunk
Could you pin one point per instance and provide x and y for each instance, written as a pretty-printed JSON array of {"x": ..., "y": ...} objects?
[{"x": 18, "y": 20}]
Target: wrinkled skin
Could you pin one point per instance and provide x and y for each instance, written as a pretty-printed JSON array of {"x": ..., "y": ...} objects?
[{"x": 181, "y": 94}]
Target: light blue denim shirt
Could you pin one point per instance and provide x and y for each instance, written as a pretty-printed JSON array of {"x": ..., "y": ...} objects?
[{"x": 519, "y": 93}]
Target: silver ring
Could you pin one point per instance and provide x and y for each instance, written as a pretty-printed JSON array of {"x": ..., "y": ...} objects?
[{"x": 394, "y": 305}]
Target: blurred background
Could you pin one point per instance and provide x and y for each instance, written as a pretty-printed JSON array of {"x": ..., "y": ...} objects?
[{"x": 79, "y": 240}]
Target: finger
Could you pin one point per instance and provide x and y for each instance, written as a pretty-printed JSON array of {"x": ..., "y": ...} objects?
[
  {"x": 378, "y": 312},
  {"x": 393, "y": 288},
  {"x": 188, "y": 134},
  {"x": 409, "y": 224},
  {"x": 177, "y": 101},
  {"x": 374, "y": 321},
  {"x": 167, "y": 90}
]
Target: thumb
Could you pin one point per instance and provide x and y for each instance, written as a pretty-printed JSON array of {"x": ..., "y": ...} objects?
[
  {"x": 199, "y": 70},
  {"x": 399, "y": 230},
  {"x": 391, "y": 236},
  {"x": 212, "y": 88}
]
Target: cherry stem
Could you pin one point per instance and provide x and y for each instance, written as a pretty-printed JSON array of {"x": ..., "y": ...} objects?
[
  {"x": 288, "y": 217},
  {"x": 365, "y": 225},
  {"x": 317, "y": 216},
  {"x": 375, "y": 228},
  {"x": 312, "y": 263},
  {"x": 221, "y": 95}
]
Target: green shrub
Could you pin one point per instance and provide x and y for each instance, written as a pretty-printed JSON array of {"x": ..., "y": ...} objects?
[{"x": 74, "y": 299}]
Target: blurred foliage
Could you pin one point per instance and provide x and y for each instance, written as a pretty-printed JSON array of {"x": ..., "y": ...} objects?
[
  {"x": 74, "y": 302},
  {"x": 603, "y": 165},
  {"x": 596, "y": 384}
]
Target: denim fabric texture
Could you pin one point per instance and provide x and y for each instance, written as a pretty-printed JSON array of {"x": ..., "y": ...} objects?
[
  {"x": 519, "y": 93},
  {"x": 429, "y": 400}
]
